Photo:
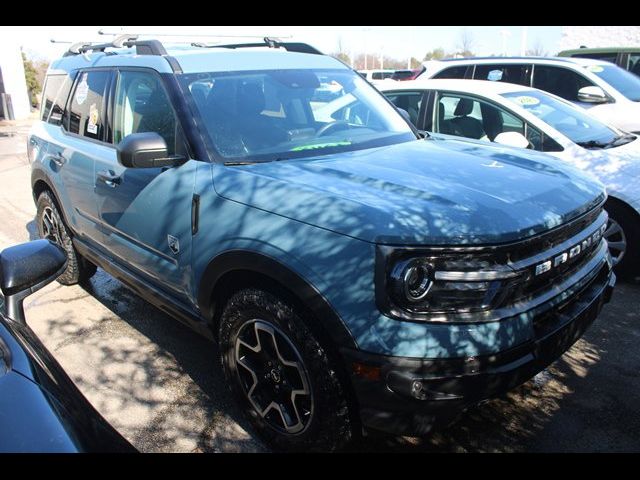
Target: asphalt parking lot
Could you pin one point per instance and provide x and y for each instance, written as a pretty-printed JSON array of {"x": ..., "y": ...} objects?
[{"x": 158, "y": 383}]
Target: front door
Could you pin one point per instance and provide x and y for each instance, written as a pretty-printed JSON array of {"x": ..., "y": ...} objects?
[{"x": 146, "y": 212}]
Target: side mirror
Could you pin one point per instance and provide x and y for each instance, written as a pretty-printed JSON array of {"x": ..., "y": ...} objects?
[
  {"x": 25, "y": 269},
  {"x": 145, "y": 150},
  {"x": 592, "y": 94},
  {"x": 512, "y": 139}
]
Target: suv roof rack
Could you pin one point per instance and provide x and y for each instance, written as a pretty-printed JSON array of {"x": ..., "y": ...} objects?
[
  {"x": 267, "y": 42},
  {"x": 143, "y": 47}
]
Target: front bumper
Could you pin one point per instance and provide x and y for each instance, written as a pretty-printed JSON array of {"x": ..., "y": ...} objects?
[{"x": 409, "y": 396}]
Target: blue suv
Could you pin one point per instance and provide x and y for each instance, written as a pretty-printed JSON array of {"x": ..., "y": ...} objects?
[{"x": 356, "y": 275}]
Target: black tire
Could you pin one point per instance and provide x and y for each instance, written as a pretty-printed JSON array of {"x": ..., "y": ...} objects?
[
  {"x": 628, "y": 267},
  {"x": 327, "y": 426},
  {"x": 51, "y": 225}
]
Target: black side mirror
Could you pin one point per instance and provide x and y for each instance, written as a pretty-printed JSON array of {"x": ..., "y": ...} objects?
[
  {"x": 145, "y": 150},
  {"x": 25, "y": 269}
]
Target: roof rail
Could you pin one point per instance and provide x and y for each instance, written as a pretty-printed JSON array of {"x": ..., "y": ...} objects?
[
  {"x": 143, "y": 47},
  {"x": 267, "y": 42}
]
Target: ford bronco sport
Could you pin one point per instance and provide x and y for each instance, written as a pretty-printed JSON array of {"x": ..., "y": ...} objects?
[{"x": 356, "y": 275}]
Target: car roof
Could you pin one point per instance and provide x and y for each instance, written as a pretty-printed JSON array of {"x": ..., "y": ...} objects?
[
  {"x": 197, "y": 59},
  {"x": 599, "y": 50},
  {"x": 490, "y": 60},
  {"x": 480, "y": 87}
]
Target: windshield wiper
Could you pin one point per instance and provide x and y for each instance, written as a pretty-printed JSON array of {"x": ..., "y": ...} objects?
[
  {"x": 621, "y": 140},
  {"x": 591, "y": 144}
]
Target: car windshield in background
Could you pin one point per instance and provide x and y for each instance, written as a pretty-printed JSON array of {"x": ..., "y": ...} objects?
[
  {"x": 282, "y": 114},
  {"x": 625, "y": 82},
  {"x": 569, "y": 120}
]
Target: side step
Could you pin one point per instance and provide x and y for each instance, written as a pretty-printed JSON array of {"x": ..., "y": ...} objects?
[{"x": 145, "y": 290}]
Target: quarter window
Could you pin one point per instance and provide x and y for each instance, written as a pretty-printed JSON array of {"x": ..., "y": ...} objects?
[
  {"x": 86, "y": 112},
  {"x": 142, "y": 105},
  {"x": 452, "y": 72}
]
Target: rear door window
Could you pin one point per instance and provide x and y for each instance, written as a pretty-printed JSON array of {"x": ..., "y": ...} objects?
[
  {"x": 87, "y": 107},
  {"x": 511, "y": 73}
]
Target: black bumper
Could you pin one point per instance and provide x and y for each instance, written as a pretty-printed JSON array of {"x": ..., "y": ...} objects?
[{"x": 411, "y": 395}]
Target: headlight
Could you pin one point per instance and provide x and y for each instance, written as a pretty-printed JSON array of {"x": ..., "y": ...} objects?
[
  {"x": 444, "y": 285},
  {"x": 420, "y": 286}
]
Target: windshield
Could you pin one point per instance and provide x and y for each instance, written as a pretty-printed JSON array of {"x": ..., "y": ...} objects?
[
  {"x": 625, "y": 82},
  {"x": 568, "y": 119},
  {"x": 281, "y": 114}
]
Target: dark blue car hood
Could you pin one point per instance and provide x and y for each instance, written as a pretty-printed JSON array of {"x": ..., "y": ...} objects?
[{"x": 422, "y": 192}]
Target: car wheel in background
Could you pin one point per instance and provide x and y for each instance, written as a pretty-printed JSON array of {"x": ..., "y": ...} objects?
[{"x": 623, "y": 236}]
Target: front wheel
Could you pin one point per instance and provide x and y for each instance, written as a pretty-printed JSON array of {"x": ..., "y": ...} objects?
[{"x": 281, "y": 375}]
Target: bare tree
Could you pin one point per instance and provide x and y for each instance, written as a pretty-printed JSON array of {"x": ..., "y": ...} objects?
[
  {"x": 537, "y": 50},
  {"x": 466, "y": 43}
]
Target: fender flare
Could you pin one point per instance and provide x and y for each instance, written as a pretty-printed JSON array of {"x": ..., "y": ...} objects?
[{"x": 236, "y": 260}]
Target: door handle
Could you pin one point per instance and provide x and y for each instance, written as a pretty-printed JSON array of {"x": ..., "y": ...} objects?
[
  {"x": 109, "y": 177},
  {"x": 58, "y": 159}
]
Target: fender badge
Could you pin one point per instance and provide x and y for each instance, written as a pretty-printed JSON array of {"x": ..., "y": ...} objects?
[{"x": 174, "y": 244}]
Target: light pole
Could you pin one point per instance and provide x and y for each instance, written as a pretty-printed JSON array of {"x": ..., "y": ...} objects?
[{"x": 504, "y": 34}]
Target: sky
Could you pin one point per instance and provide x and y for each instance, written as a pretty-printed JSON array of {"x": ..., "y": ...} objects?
[{"x": 397, "y": 42}]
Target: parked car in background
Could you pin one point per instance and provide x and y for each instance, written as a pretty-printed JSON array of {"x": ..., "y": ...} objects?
[
  {"x": 609, "y": 92},
  {"x": 41, "y": 410},
  {"x": 376, "y": 75},
  {"x": 625, "y": 57},
  {"x": 354, "y": 274},
  {"x": 530, "y": 118},
  {"x": 404, "y": 75}
]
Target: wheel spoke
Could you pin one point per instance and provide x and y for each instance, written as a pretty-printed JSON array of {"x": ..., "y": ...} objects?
[
  {"x": 618, "y": 246},
  {"x": 277, "y": 386}
]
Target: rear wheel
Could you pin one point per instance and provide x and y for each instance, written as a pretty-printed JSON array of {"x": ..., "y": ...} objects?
[
  {"x": 281, "y": 375},
  {"x": 623, "y": 237},
  {"x": 51, "y": 226}
]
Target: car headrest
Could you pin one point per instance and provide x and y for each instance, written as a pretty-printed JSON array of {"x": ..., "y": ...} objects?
[
  {"x": 464, "y": 107},
  {"x": 441, "y": 112}
]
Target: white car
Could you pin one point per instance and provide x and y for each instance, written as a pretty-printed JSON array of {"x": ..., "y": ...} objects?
[
  {"x": 376, "y": 75},
  {"x": 525, "y": 117},
  {"x": 609, "y": 92}
]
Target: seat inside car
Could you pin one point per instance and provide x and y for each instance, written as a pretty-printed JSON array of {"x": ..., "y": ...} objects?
[
  {"x": 467, "y": 126},
  {"x": 492, "y": 121}
]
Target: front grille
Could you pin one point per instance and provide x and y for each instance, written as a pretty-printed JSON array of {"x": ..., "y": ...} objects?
[{"x": 530, "y": 283}]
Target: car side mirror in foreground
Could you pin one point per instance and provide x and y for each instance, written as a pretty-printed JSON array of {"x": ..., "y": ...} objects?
[
  {"x": 25, "y": 269},
  {"x": 512, "y": 139},
  {"x": 592, "y": 94},
  {"x": 145, "y": 150}
]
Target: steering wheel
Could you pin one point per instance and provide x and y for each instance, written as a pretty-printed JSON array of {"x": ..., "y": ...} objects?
[{"x": 330, "y": 127}]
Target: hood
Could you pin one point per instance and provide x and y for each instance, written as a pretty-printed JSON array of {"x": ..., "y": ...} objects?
[{"x": 423, "y": 192}]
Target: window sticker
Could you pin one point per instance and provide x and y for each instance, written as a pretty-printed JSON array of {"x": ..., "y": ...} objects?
[
  {"x": 92, "y": 126},
  {"x": 527, "y": 101},
  {"x": 83, "y": 90},
  {"x": 495, "y": 75},
  {"x": 596, "y": 68}
]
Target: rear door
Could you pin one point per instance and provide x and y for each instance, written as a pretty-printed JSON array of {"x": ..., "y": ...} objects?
[
  {"x": 146, "y": 212},
  {"x": 75, "y": 148}
]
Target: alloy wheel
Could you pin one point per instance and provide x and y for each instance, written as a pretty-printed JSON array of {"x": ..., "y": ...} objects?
[
  {"x": 273, "y": 377},
  {"x": 50, "y": 227},
  {"x": 615, "y": 237}
]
